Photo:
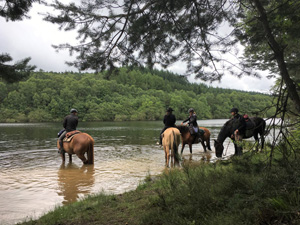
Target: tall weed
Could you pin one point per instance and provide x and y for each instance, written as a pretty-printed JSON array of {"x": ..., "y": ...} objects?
[{"x": 241, "y": 191}]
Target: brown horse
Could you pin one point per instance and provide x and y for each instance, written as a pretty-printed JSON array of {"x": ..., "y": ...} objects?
[
  {"x": 80, "y": 144},
  {"x": 189, "y": 139},
  {"x": 170, "y": 141}
]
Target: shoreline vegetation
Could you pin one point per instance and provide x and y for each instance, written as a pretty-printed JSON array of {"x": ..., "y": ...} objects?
[
  {"x": 127, "y": 94},
  {"x": 242, "y": 190}
]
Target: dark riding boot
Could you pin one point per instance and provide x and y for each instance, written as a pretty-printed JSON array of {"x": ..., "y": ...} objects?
[
  {"x": 61, "y": 148},
  {"x": 199, "y": 139}
]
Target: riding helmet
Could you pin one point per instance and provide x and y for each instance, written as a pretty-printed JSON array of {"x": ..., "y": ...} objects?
[
  {"x": 73, "y": 111},
  {"x": 235, "y": 110},
  {"x": 191, "y": 110}
]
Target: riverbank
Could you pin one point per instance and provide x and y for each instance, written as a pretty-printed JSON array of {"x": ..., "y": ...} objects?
[{"x": 243, "y": 190}]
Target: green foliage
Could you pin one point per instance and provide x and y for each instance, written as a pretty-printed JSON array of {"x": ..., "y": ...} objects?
[
  {"x": 283, "y": 17},
  {"x": 242, "y": 190},
  {"x": 16, "y": 72},
  {"x": 15, "y": 10},
  {"x": 130, "y": 94}
]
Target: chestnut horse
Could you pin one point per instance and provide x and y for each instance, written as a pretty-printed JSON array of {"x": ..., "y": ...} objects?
[
  {"x": 80, "y": 144},
  {"x": 258, "y": 126},
  {"x": 189, "y": 139},
  {"x": 170, "y": 141}
]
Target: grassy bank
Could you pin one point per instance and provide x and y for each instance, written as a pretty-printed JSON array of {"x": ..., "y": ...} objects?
[{"x": 243, "y": 190}]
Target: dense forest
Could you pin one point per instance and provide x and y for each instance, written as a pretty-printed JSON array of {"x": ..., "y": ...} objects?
[{"x": 126, "y": 94}]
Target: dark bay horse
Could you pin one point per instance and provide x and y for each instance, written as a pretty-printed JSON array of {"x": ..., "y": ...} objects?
[
  {"x": 171, "y": 141},
  {"x": 80, "y": 144},
  {"x": 258, "y": 127},
  {"x": 189, "y": 139}
]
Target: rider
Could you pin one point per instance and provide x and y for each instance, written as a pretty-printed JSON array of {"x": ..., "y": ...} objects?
[
  {"x": 192, "y": 122},
  {"x": 240, "y": 129},
  {"x": 169, "y": 121},
  {"x": 70, "y": 123}
]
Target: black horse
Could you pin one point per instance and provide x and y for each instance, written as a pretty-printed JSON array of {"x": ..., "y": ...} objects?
[{"x": 255, "y": 126}]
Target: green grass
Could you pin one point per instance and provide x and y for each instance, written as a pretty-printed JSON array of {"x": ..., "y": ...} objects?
[{"x": 243, "y": 190}]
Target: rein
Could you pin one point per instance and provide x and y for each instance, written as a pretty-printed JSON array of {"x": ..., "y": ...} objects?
[{"x": 224, "y": 154}]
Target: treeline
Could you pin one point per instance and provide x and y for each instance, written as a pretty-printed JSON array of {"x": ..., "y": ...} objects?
[{"x": 126, "y": 94}]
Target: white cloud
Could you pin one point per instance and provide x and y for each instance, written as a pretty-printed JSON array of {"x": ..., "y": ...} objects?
[{"x": 33, "y": 38}]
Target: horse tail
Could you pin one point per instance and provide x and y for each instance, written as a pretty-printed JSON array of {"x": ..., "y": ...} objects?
[
  {"x": 90, "y": 151},
  {"x": 175, "y": 147}
]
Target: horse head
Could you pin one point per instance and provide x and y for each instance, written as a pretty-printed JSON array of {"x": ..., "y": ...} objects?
[
  {"x": 182, "y": 128},
  {"x": 219, "y": 148}
]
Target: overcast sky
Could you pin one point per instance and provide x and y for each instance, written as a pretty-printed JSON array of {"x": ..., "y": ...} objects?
[{"x": 34, "y": 37}]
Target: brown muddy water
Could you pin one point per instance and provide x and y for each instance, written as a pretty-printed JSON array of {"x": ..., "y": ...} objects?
[{"x": 34, "y": 180}]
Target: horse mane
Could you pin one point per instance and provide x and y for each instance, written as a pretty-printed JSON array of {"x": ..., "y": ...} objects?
[
  {"x": 182, "y": 128},
  {"x": 223, "y": 132}
]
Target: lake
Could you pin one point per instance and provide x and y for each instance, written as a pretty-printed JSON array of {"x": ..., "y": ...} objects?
[{"x": 34, "y": 180}]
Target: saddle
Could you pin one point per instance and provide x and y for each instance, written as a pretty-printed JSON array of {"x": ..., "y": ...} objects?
[
  {"x": 250, "y": 124},
  {"x": 70, "y": 135},
  {"x": 198, "y": 132}
]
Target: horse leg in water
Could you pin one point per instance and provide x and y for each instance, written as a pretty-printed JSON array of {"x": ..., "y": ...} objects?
[
  {"x": 167, "y": 155},
  {"x": 190, "y": 146},
  {"x": 203, "y": 145},
  {"x": 256, "y": 140},
  {"x": 183, "y": 144},
  {"x": 208, "y": 145},
  {"x": 82, "y": 157},
  {"x": 63, "y": 157},
  {"x": 262, "y": 141},
  {"x": 80, "y": 154}
]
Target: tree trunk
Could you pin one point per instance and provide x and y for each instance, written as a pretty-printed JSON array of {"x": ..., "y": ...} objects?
[{"x": 278, "y": 53}]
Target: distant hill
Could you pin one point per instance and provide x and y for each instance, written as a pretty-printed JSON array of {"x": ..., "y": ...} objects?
[{"x": 125, "y": 94}]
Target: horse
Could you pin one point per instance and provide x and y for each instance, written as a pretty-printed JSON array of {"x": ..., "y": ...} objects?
[
  {"x": 171, "y": 141},
  {"x": 258, "y": 127},
  {"x": 189, "y": 139},
  {"x": 80, "y": 144}
]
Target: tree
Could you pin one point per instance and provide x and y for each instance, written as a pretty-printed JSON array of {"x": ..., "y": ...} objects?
[
  {"x": 149, "y": 32},
  {"x": 270, "y": 33},
  {"x": 15, "y": 72},
  {"x": 15, "y": 10}
]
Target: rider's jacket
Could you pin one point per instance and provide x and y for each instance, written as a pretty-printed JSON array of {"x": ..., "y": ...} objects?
[
  {"x": 242, "y": 123},
  {"x": 169, "y": 120},
  {"x": 70, "y": 122},
  {"x": 192, "y": 120}
]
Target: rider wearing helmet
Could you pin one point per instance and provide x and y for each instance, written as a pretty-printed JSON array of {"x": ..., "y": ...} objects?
[
  {"x": 169, "y": 121},
  {"x": 192, "y": 122},
  {"x": 240, "y": 127},
  {"x": 70, "y": 123}
]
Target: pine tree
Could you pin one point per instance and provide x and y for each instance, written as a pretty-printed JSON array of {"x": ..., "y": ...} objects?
[{"x": 15, "y": 10}]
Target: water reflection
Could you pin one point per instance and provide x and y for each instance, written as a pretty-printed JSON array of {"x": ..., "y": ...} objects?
[
  {"x": 75, "y": 182},
  {"x": 197, "y": 157}
]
